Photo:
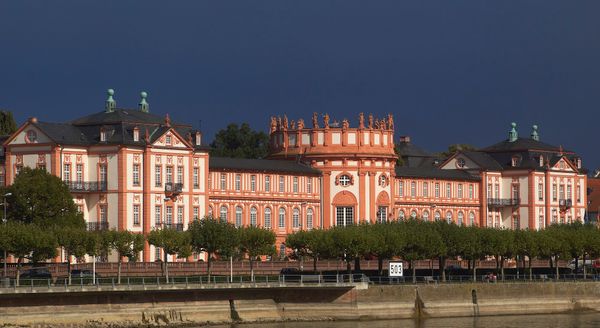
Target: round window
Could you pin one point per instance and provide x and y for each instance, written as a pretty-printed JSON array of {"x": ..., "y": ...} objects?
[
  {"x": 31, "y": 136},
  {"x": 460, "y": 163},
  {"x": 344, "y": 180}
]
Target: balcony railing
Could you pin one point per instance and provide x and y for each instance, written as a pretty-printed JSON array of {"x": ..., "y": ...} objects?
[
  {"x": 499, "y": 202},
  {"x": 174, "y": 188},
  {"x": 174, "y": 226},
  {"x": 97, "y": 226},
  {"x": 565, "y": 203},
  {"x": 86, "y": 186}
]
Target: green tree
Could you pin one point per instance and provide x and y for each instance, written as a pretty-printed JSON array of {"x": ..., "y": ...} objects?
[
  {"x": 8, "y": 125},
  {"x": 126, "y": 244},
  {"x": 254, "y": 242},
  {"x": 29, "y": 242},
  {"x": 349, "y": 243},
  {"x": 43, "y": 199},
  {"x": 525, "y": 246},
  {"x": 591, "y": 244},
  {"x": 213, "y": 237},
  {"x": 422, "y": 242},
  {"x": 74, "y": 242},
  {"x": 385, "y": 241},
  {"x": 172, "y": 242},
  {"x": 472, "y": 247},
  {"x": 240, "y": 142},
  {"x": 315, "y": 243},
  {"x": 453, "y": 148},
  {"x": 557, "y": 245}
]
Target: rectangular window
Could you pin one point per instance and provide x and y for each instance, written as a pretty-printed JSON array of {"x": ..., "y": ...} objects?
[
  {"x": 223, "y": 181},
  {"x": 196, "y": 178},
  {"x": 103, "y": 174},
  {"x": 489, "y": 191},
  {"x": 448, "y": 190},
  {"x": 196, "y": 213},
  {"x": 80, "y": 208},
  {"x": 497, "y": 191},
  {"x": 253, "y": 183},
  {"x": 309, "y": 185},
  {"x": 425, "y": 189},
  {"x": 79, "y": 173},
  {"x": 179, "y": 214},
  {"x": 437, "y": 190},
  {"x": 281, "y": 183},
  {"x": 66, "y": 172},
  {"x": 554, "y": 197},
  {"x": 295, "y": 184},
  {"x": 460, "y": 190},
  {"x": 281, "y": 218},
  {"x": 267, "y": 183},
  {"x": 103, "y": 213},
  {"x": 136, "y": 175},
  {"x": 515, "y": 191},
  {"x": 157, "y": 215},
  {"x": 471, "y": 191},
  {"x": 169, "y": 215},
  {"x": 401, "y": 188},
  {"x": 18, "y": 169},
  {"x": 540, "y": 191},
  {"x": 180, "y": 174},
  {"x": 238, "y": 182},
  {"x": 561, "y": 193},
  {"x": 344, "y": 215},
  {"x": 413, "y": 189},
  {"x": 382, "y": 214},
  {"x": 169, "y": 174},
  {"x": 157, "y": 176},
  {"x": 136, "y": 214},
  {"x": 578, "y": 191},
  {"x": 2, "y": 179},
  {"x": 569, "y": 196}
]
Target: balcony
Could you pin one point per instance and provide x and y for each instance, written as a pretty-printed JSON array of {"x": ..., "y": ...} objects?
[
  {"x": 174, "y": 226},
  {"x": 97, "y": 226},
  {"x": 86, "y": 186},
  {"x": 565, "y": 203},
  {"x": 503, "y": 202},
  {"x": 173, "y": 188}
]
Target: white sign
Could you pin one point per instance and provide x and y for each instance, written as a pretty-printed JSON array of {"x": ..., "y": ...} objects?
[{"x": 396, "y": 269}]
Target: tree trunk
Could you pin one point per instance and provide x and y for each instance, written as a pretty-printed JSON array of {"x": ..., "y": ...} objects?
[
  {"x": 474, "y": 270},
  {"x": 348, "y": 266},
  {"x": 69, "y": 267},
  {"x": 414, "y": 271},
  {"x": 18, "y": 277},
  {"x": 502, "y": 268},
  {"x": 357, "y": 264},
  {"x": 315, "y": 264},
  {"x": 166, "y": 267},
  {"x": 380, "y": 266},
  {"x": 251, "y": 269},
  {"x": 442, "y": 266},
  {"x": 523, "y": 259},
  {"x": 584, "y": 268},
  {"x": 576, "y": 264},
  {"x": 556, "y": 266},
  {"x": 208, "y": 267},
  {"x": 119, "y": 269},
  {"x": 530, "y": 270}
]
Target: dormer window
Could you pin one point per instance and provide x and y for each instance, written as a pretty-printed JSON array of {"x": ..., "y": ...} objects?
[
  {"x": 102, "y": 135},
  {"x": 136, "y": 134},
  {"x": 515, "y": 161},
  {"x": 541, "y": 160}
]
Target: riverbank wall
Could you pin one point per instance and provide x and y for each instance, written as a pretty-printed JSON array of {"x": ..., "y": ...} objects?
[{"x": 193, "y": 307}]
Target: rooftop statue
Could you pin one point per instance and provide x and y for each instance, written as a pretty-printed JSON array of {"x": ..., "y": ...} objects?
[
  {"x": 370, "y": 121},
  {"x": 300, "y": 124},
  {"x": 390, "y": 121},
  {"x": 273, "y": 124},
  {"x": 315, "y": 121},
  {"x": 361, "y": 121},
  {"x": 326, "y": 120}
]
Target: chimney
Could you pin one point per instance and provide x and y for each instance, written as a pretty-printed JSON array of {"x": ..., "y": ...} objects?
[
  {"x": 512, "y": 134},
  {"x": 534, "y": 134},
  {"x": 405, "y": 139},
  {"x": 110, "y": 104},
  {"x": 143, "y": 105},
  {"x": 198, "y": 138}
]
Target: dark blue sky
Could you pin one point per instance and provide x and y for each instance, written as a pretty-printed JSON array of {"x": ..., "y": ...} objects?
[{"x": 450, "y": 71}]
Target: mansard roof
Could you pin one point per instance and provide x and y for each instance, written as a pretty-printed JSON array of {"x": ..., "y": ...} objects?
[
  {"x": 261, "y": 165},
  {"x": 120, "y": 116},
  {"x": 522, "y": 144},
  {"x": 434, "y": 173}
]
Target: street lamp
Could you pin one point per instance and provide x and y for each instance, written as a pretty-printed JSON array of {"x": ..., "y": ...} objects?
[{"x": 4, "y": 222}]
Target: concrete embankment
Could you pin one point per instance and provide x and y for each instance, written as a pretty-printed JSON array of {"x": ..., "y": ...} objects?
[{"x": 200, "y": 306}]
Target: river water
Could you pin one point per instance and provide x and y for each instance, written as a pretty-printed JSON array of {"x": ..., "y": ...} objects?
[{"x": 581, "y": 320}]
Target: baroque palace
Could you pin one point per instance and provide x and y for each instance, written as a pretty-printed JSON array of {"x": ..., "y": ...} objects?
[{"x": 130, "y": 169}]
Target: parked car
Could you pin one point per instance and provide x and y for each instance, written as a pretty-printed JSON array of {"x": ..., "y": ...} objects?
[
  {"x": 83, "y": 273},
  {"x": 36, "y": 273}
]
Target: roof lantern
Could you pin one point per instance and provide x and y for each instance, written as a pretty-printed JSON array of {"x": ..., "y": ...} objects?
[
  {"x": 534, "y": 134},
  {"x": 512, "y": 134},
  {"x": 110, "y": 101},
  {"x": 143, "y": 105}
]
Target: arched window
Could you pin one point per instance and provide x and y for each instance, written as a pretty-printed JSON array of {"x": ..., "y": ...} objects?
[
  {"x": 413, "y": 214},
  {"x": 425, "y": 215},
  {"x": 461, "y": 217},
  {"x": 472, "y": 219},
  {"x": 449, "y": 217},
  {"x": 268, "y": 218},
  {"x": 281, "y": 217},
  {"x": 210, "y": 211},
  {"x": 309, "y": 218},
  {"x": 253, "y": 216},
  {"x": 238, "y": 216},
  {"x": 295, "y": 218},
  {"x": 437, "y": 215},
  {"x": 223, "y": 214},
  {"x": 401, "y": 215}
]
